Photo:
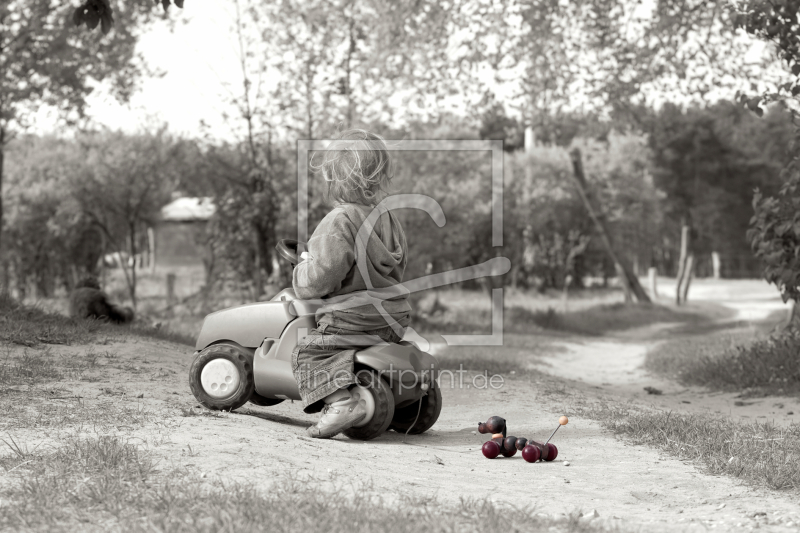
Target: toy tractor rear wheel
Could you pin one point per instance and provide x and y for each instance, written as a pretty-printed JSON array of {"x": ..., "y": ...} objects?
[
  {"x": 384, "y": 407},
  {"x": 221, "y": 377},
  {"x": 428, "y": 413}
]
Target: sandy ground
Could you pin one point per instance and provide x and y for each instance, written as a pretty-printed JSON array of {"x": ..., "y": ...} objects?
[{"x": 631, "y": 487}]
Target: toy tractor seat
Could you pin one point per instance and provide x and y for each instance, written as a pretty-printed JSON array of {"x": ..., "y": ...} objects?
[{"x": 297, "y": 307}]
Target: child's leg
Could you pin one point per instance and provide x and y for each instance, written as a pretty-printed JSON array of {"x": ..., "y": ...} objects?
[{"x": 322, "y": 365}]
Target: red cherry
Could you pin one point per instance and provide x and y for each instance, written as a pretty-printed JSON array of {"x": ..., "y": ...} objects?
[
  {"x": 552, "y": 452},
  {"x": 509, "y": 453},
  {"x": 490, "y": 449},
  {"x": 531, "y": 453}
]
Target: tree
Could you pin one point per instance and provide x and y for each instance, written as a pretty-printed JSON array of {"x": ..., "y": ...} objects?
[
  {"x": 775, "y": 238},
  {"x": 46, "y": 62},
  {"x": 48, "y": 241},
  {"x": 708, "y": 161},
  {"x": 126, "y": 181},
  {"x": 606, "y": 57},
  {"x": 774, "y": 231}
]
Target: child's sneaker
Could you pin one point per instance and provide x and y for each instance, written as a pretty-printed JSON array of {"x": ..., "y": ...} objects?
[{"x": 338, "y": 416}]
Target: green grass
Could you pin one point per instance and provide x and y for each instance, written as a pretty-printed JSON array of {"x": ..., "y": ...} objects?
[
  {"x": 107, "y": 484},
  {"x": 740, "y": 361},
  {"x": 760, "y": 454}
]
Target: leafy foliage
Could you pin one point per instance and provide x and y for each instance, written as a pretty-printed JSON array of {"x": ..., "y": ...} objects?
[
  {"x": 48, "y": 242},
  {"x": 775, "y": 228},
  {"x": 94, "y": 12},
  {"x": 708, "y": 161},
  {"x": 71, "y": 201},
  {"x": 47, "y": 64},
  {"x": 775, "y": 235},
  {"x": 777, "y": 23}
]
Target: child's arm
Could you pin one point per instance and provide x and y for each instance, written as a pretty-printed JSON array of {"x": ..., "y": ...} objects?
[{"x": 331, "y": 252}]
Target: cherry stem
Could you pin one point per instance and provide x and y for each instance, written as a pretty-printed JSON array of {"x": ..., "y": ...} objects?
[{"x": 551, "y": 435}]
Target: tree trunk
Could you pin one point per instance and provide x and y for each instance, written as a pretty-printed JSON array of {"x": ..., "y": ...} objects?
[
  {"x": 682, "y": 262},
  {"x": 626, "y": 287},
  {"x": 6, "y": 286},
  {"x": 2, "y": 164},
  {"x": 628, "y": 279},
  {"x": 792, "y": 316},
  {"x": 132, "y": 284},
  {"x": 348, "y": 68},
  {"x": 687, "y": 277}
]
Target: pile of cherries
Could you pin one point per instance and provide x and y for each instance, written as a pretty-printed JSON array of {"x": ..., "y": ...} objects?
[{"x": 500, "y": 444}]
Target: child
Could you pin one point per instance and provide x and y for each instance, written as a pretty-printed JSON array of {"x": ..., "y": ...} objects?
[{"x": 358, "y": 169}]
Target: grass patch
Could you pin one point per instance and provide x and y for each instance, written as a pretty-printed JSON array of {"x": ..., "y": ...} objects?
[
  {"x": 760, "y": 454},
  {"x": 84, "y": 481},
  {"x": 739, "y": 361},
  {"x": 163, "y": 333},
  {"x": 516, "y": 356},
  {"x": 29, "y": 369},
  {"x": 107, "y": 484},
  {"x": 596, "y": 320},
  {"x": 31, "y": 326},
  {"x": 35, "y": 392}
]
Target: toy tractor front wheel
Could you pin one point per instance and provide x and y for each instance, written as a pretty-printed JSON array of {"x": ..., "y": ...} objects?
[{"x": 221, "y": 377}]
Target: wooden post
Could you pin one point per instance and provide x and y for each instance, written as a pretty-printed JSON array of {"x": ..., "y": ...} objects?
[
  {"x": 170, "y": 290},
  {"x": 627, "y": 277},
  {"x": 716, "y": 264},
  {"x": 530, "y": 139},
  {"x": 151, "y": 244},
  {"x": 682, "y": 262},
  {"x": 651, "y": 276},
  {"x": 687, "y": 278}
]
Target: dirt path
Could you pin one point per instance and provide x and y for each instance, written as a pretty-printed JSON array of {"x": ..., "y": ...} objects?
[
  {"x": 627, "y": 485},
  {"x": 615, "y": 365},
  {"x": 632, "y": 487}
]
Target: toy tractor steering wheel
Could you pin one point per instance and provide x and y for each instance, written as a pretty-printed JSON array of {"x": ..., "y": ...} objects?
[{"x": 288, "y": 248}]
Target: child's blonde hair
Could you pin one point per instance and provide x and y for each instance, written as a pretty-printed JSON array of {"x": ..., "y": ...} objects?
[{"x": 357, "y": 167}]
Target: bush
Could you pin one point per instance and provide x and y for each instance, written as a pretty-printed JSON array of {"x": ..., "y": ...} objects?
[{"x": 765, "y": 366}]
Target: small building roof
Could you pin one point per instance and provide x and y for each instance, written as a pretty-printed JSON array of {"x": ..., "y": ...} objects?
[{"x": 187, "y": 209}]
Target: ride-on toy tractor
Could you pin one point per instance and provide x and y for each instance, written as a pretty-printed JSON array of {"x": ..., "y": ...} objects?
[{"x": 244, "y": 355}]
